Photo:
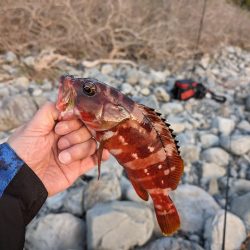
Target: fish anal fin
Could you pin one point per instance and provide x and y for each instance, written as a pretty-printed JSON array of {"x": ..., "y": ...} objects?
[
  {"x": 142, "y": 193},
  {"x": 167, "y": 215}
]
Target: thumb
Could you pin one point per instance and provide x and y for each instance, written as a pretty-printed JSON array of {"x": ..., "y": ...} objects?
[{"x": 44, "y": 120}]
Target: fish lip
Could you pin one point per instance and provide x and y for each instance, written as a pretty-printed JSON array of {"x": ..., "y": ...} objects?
[{"x": 66, "y": 95}]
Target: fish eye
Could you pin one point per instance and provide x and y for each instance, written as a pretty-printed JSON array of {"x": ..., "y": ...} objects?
[{"x": 89, "y": 89}]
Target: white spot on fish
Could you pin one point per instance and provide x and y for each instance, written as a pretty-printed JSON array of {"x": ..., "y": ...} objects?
[
  {"x": 162, "y": 181},
  {"x": 172, "y": 168},
  {"x": 151, "y": 149},
  {"x": 160, "y": 166},
  {"x": 116, "y": 151},
  {"x": 145, "y": 170},
  {"x": 166, "y": 172},
  {"x": 108, "y": 135},
  {"x": 122, "y": 140},
  {"x": 147, "y": 173},
  {"x": 135, "y": 156},
  {"x": 158, "y": 206}
]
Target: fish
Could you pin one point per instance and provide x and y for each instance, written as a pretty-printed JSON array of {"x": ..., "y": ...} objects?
[{"x": 136, "y": 135}]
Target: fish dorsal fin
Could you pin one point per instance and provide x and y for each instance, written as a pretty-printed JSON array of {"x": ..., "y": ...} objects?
[{"x": 160, "y": 125}]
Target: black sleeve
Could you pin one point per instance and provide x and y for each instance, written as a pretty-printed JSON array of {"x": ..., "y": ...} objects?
[{"x": 20, "y": 202}]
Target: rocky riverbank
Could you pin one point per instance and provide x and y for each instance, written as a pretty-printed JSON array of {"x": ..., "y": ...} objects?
[{"x": 107, "y": 214}]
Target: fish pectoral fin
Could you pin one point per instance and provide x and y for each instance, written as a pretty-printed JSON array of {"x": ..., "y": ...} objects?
[
  {"x": 99, "y": 158},
  {"x": 141, "y": 192}
]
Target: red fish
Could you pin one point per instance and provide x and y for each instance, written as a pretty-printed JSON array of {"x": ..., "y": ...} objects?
[{"x": 134, "y": 134}]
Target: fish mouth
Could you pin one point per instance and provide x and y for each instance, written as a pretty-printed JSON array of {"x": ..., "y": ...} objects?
[{"x": 66, "y": 97}]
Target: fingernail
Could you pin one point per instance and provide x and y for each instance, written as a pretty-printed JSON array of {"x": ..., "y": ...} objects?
[
  {"x": 63, "y": 143},
  {"x": 65, "y": 157}
]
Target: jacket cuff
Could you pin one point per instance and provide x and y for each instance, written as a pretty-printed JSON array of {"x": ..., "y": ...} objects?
[
  {"x": 10, "y": 164},
  {"x": 29, "y": 190}
]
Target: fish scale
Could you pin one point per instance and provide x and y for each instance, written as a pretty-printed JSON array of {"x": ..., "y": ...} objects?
[{"x": 137, "y": 136}]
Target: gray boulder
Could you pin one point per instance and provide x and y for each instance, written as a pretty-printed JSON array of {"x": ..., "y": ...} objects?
[
  {"x": 195, "y": 206},
  {"x": 209, "y": 140},
  {"x": 225, "y": 125},
  {"x": 216, "y": 155},
  {"x": 235, "y": 232},
  {"x": 56, "y": 232},
  {"x": 171, "y": 243},
  {"x": 15, "y": 111},
  {"x": 241, "y": 206},
  {"x": 107, "y": 188},
  {"x": 240, "y": 145},
  {"x": 119, "y": 225}
]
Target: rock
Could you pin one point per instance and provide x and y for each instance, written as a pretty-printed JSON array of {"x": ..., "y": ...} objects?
[
  {"x": 240, "y": 207},
  {"x": 22, "y": 81},
  {"x": 247, "y": 104},
  {"x": 145, "y": 91},
  {"x": 161, "y": 94},
  {"x": 29, "y": 61},
  {"x": 213, "y": 186},
  {"x": 107, "y": 69},
  {"x": 55, "y": 203},
  {"x": 171, "y": 108},
  {"x": 47, "y": 85},
  {"x": 159, "y": 76},
  {"x": 190, "y": 153},
  {"x": 225, "y": 125},
  {"x": 177, "y": 127},
  {"x": 73, "y": 202},
  {"x": 235, "y": 232},
  {"x": 195, "y": 206},
  {"x": 149, "y": 101},
  {"x": 145, "y": 80},
  {"x": 241, "y": 186},
  {"x": 4, "y": 92},
  {"x": 56, "y": 232},
  {"x": 107, "y": 188},
  {"x": 209, "y": 140},
  {"x": 126, "y": 88},
  {"x": 132, "y": 77},
  {"x": 111, "y": 166},
  {"x": 171, "y": 243},
  {"x": 212, "y": 170},
  {"x": 108, "y": 223},
  {"x": 16, "y": 111},
  {"x": 10, "y": 57},
  {"x": 240, "y": 145},
  {"x": 244, "y": 126},
  {"x": 37, "y": 92},
  {"x": 188, "y": 137},
  {"x": 216, "y": 155}
]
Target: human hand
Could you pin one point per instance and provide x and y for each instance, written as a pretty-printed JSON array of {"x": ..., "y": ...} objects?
[{"x": 39, "y": 142}]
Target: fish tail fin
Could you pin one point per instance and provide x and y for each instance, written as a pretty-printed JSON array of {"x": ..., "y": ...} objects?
[{"x": 167, "y": 216}]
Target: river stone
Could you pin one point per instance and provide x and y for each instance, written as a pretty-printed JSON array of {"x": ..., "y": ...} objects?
[
  {"x": 73, "y": 202},
  {"x": 171, "y": 108},
  {"x": 240, "y": 145},
  {"x": 171, "y": 243},
  {"x": 190, "y": 153},
  {"x": 15, "y": 111},
  {"x": 195, "y": 206},
  {"x": 225, "y": 125},
  {"x": 118, "y": 225},
  {"x": 161, "y": 94},
  {"x": 212, "y": 170},
  {"x": 55, "y": 202},
  {"x": 107, "y": 69},
  {"x": 209, "y": 140},
  {"x": 235, "y": 232},
  {"x": 215, "y": 155},
  {"x": 240, "y": 206},
  {"x": 107, "y": 188},
  {"x": 56, "y": 232}
]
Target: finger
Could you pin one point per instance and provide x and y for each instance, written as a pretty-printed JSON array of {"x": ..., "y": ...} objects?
[
  {"x": 75, "y": 137},
  {"x": 78, "y": 152},
  {"x": 65, "y": 127},
  {"x": 44, "y": 119}
]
